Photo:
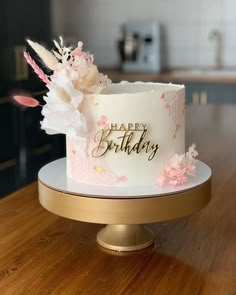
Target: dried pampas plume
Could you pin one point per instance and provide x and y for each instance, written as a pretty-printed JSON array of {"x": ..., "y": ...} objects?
[
  {"x": 36, "y": 68},
  {"x": 49, "y": 60},
  {"x": 63, "y": 95}
]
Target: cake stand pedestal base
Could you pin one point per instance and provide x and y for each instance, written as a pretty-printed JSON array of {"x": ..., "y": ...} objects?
[
  {"x": 122, "y": 208},
  {"x": 125, "y": 237}
]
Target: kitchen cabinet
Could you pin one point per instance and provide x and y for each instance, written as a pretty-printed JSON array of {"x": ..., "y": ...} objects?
[
  {"x": 24, "y": 147},
  {"x": 36, "y": 148},
  {"x": 20, "y": 20},
  {"x": 204, "y": 93},
  {"x": 8, "y": 176},
  {"x": 8, "y": 147},
  {"x": 199, "y": 90},
  {"x": 24, "y": 19},
  {"x": 7, "y": 129}
]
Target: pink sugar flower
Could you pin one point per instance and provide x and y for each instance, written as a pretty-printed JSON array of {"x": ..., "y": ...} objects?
[
  {"x": 178, "y": 168},
  {"x": 103, "y": 122}
]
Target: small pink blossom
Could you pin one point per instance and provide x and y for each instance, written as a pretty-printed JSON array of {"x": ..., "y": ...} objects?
[
  {"x": 178, "y": 168},
  {"x": 103, "y": 122},
  {"x": 166, "y": 105},
  {"x": 80, "y": 53},
  {"x": 122, "y": 178}
]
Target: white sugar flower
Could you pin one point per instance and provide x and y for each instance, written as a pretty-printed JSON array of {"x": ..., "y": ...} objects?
[
  {"x": 179, "y": 168},
  {"x": 62, "y": 88},
  {"x": 61, "y": 111},
  {"x": 74, "y": 75}
]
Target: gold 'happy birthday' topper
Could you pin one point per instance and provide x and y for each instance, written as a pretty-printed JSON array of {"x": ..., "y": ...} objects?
[{"x": 128, "y": 138}]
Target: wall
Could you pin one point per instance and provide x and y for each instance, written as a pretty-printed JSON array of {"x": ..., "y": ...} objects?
[{"x": 186, "y": 24}]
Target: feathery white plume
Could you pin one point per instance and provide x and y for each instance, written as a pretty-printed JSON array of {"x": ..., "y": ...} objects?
[
  {"x": 58, "y": 46},
  {"x": 46, "y": 56}
]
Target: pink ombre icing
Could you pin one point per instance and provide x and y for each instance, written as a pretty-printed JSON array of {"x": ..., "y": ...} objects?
[
  {"x": 174, "y": 102},
  {"x": 87, "y": 169},
  {"x": 84, "y": 168},
  {"x": 178, "y": 169}
]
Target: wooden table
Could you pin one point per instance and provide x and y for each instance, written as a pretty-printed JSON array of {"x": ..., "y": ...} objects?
[{"x": 41, "y": 253}]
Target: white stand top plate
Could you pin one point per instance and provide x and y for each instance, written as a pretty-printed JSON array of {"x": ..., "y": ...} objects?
[{"x": 53, "y": 175}]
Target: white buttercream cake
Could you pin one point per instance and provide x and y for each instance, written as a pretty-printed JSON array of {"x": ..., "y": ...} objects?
[
  {"x": 133, "y": 130},
  {"x": 126, "y": 134}
]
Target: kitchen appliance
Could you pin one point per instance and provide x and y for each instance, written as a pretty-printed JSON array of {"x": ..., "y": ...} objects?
[{"x": 140, "y": 47}]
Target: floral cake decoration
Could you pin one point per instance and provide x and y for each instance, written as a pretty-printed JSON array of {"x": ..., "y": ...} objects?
[
  {"x": 69, "y": 74},
  {"x": 179, "y": 168},
  {"x": 72, "y": 74}
]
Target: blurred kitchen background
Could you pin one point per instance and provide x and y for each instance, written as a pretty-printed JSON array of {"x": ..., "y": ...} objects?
[
  {"x": 187, "y": 25},
  {"x": 181, "y": 41}
]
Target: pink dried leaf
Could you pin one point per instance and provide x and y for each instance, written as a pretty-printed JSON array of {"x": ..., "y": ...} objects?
[
  {"x": 36, "y": 68},
  {"x": 26, "y": 101}
]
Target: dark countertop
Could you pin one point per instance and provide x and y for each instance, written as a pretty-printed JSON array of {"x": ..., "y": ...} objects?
[{"x": 225, "y": 76}]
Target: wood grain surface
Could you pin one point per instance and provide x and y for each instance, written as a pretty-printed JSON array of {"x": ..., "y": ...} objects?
[
  {"x": 182, "y": 74},
  {"x": 41, "y": 253}
]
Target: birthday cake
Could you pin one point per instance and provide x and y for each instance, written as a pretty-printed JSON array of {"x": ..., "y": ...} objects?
[{"x": 125, "y": 134}]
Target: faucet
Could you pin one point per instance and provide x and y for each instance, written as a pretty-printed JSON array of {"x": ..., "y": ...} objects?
[{"x": 215, "y": 36}]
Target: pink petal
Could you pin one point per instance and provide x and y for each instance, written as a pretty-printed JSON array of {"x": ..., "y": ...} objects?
[
  {"x": 100, "y": 123},
  {"x": 173, "y": 182},
  {"x": 173, "y": 173},
  {"x": 103, "y": 118},
  {"x": 184, "y": 180},
  {"x": 122, "y": 178},
  {"x": 180, "y": 172},
  {"x": 26, "y": 101}
]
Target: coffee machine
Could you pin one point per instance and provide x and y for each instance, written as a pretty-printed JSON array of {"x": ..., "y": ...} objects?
[{"x": 140, "y": 47}]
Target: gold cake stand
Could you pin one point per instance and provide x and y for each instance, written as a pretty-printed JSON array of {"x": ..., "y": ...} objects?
[{"x": 125, "y": 214}]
